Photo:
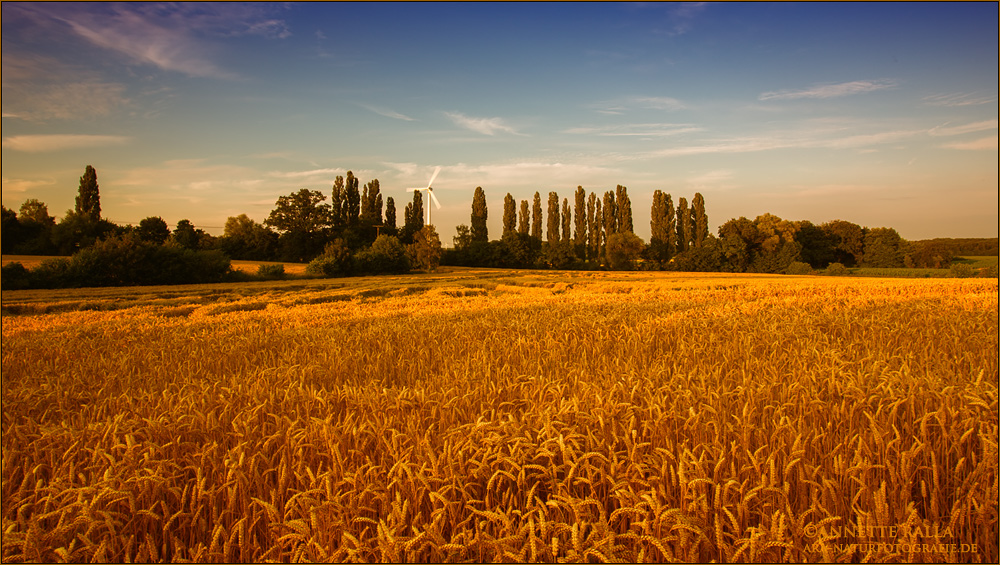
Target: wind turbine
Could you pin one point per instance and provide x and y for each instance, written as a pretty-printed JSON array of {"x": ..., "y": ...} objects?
[{"x": 430, "y": 192}]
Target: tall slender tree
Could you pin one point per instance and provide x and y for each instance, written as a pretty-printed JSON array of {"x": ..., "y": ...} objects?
[
  {"x": 598, "y": 228},
  {"x": 624, "y": 209},
  {"x": 509, "y": 215},
  {"x": 580, "y": 223},
  {"x": 338, "y": 217},
  {"x": 610, "y": 215},
  {"x": 524, "y": 221},
  {"x": 390, "y": 216},
  {"x": 567, "y": 221},
  {"x": 352, "y": 200},
  {"x": 658, "y": 220},
  {"x": 536, "y": 217},
  {"x": 552, "y": 223},
  {"x": 479, "y": 213},
  {"x": 699, "y": 220},
  {"x": 88, "y": 203},
  {"x": 670, "y": 227},
  {"x": 371, "y": 204},
  {"x": 592, "y": 234},
  {"x": 684, "y": 228}
]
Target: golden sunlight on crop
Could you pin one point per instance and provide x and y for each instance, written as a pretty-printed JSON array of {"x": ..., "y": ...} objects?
[{"x": 505, "y": 416}]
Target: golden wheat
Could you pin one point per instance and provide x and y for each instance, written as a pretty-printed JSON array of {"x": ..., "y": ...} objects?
[{"x": 507, "y": 417}]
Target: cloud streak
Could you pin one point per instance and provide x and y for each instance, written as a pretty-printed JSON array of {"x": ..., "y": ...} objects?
[
  {"x": 829, "y": 90},
  {"x": 485, "y": 126},
  {"x": 60, "y": 142},
  {"x": 385, "y": 112}
]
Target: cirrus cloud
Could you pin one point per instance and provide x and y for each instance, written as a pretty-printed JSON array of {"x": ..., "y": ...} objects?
[
  {"x": 829, "y": 90},
  {"x": 485, "y": 126},
  {"x": 59, "y": 142}
]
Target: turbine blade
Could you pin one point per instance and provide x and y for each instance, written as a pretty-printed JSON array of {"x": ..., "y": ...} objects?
[
  {"x": 435, "y": 199},
  {"x": 434, "y": 176}
]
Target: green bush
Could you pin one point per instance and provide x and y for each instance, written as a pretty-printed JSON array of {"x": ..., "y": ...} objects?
[
  {"x": 335, "y": 261},
  {"x": 836, "y": 270},
  {"x": 386, "y": 255},
  {"x": 14, "y": 277},
  {"x": 271, "y": 272},
  {"x": 798, "y": 268},
  {"x": 962, "y": 271}
]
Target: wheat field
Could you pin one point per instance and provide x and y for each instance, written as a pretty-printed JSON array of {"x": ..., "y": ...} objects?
[{"x": 504, "y": 416}]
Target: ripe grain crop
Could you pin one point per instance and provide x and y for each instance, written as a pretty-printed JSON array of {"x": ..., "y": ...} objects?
[{"x": 508, "y": 417}]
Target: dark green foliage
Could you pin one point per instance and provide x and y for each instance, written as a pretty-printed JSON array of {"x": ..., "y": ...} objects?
[
  {"x": 699, "y": 220},
  {"x": 536, "y": 217},
  {"x": 524, "y": 218},
  {"x": 580, "y": 223},
  {"x": 517, "y": 250},
  {"x": 836, "y": 270},
  {"x": 970, "y": 246},
  {"x": 623, "y": 208},
  {"x": 684, "y": 227},
  {"x": 352, "y": 200},
  {"x": 552, "y": 223},
  {"x": 798, "y": 268},
  {"x": 848, "y": 241},
  {"x": 883, "y": 249},
  {"x": 509, "y": 214},
  {"x": 962, "y": 271},
  {"x": 479, "y": 216},
  {"x": 302, "y": 219},
  {"x": 707, "y": 258},
  {"x": 425, "y": 252},
  {"x": 78, "y": 231},
  {"x": 390, "y": 216},
  {"x": 335, "y": 261},
  {"x": 559, "y": 254},
  {"x": 413, "y": 218},
  {"x": 818, "y": 245},
  {"x": 271, "y": 272},
  {"x": 153, "y": 230},
  {"x": 610, "y": 213},
  {"x": 245, "y": 239},
  {"x": 928, "y": 254},
  {"x": 88, "y": 202},
  {"x": 623, "y": 250},
  {"x": 14, "y": 276},
  {"x": 567, "y": 222},
  {"x": 10, "y": 230},
  {"x": 386, "y": 255},
  {"x": 593, "y": 229},
  {"x": 371, "y": 204},
  {"x": 186, "y": 236},
  {"x": 663, "y": 236},
  {"x": 129, "y": 261}
]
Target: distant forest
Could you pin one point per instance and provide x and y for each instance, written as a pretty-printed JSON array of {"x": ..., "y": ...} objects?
[{"x": 356, "y": 232}]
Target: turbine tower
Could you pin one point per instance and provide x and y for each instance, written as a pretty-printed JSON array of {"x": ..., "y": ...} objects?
[{"x": 430, "y": 192}]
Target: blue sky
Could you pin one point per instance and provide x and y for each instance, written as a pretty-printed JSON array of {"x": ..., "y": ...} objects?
[{"x": 881, "y": 114}]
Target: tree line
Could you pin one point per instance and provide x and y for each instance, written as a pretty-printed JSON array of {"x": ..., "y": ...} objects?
[{"x": 356, "y": 232}]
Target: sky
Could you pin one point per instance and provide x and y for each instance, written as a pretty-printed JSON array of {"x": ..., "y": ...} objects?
[{"x": 879, "y": 114}]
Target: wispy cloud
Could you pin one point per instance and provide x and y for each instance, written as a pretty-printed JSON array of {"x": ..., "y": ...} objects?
[
  {"x": 386, "y": 112},
  {"x": 59, "y": 142},
  {"x": 170, "y": 37},
  {"x": 37, "y": 87},
  {"x": 624, "y": 104},
  {"x": 485, "y": 126},
  {"x": 21, "y": 186},
  {"x": 967, "y": 128},
  {"x": 959, "y": 99},
  {"x": 829, "y": 90},
  {"x": 635, "y": 130},
  {"x": 682, "y": 16},
  {"x": 983, "y": 144}
]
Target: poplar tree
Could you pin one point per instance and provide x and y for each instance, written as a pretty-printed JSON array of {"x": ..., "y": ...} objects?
[
  {"x": 390, "y": 215},
  {"x": 552, "y": 219},
  {"x": 567, "y": 221},
  {"x": 536, "y": 217},
  {"x": 509, "y": 214},
  {"x": 352, "y": 199},
  {"x": 580, "y": 222},
  {"x": 525, "y": 218},
  {"x": 88, "y": 203},
  {"x": 670, "y": 226},
  {"x": 683, "y": 225},
  {"x": 337, "y": 218},
  {"x": 479, "y": 212},
  {"x": 592, "y": 233},
  {"x": 598, "y": 228},
  {"x": 657, "y": 220},
  {"x": 371, "y": 204},
  {"x": 699, "y": 220},
  {"x": 624, "y": 210},
  {"x": 610, "y": 215}
]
